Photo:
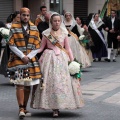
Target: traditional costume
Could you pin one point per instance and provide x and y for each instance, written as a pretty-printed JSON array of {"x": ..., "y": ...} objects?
[
  {"x": 99, "y": 49},
  {"x": 3, "y": 53},
  {"x": 72, "y": 25},
  {"x": 23, "y": 40},
  {"x": 22, "y": 44},
  {"x": 60, "y": 90},
  {"x": 78, "y": 50}
]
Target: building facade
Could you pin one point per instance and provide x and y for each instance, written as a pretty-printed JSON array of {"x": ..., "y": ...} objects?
[{"x": 77, "y": 7}]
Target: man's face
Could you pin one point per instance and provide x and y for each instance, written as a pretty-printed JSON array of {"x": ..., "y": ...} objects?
[
  {"x": 25, "y": 17},
  {"x": 43, "y": 11},
  {"x": 113, "y": 14}
]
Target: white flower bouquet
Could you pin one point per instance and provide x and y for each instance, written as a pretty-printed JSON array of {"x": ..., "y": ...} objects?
[
  {"x": 5, "y": 33},
  {"x": 82, "y": 30},
  {"x": 81, "y": 37},
  {"x": 85, "y": 40},
  {"x": 75, "y": 69}
]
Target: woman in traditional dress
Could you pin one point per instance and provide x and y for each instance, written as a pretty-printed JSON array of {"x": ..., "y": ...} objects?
[
  {"x": 99, "y": 49},
  {"x": 13, "y": 18},
  {"x": 3, "y": 53},
  {"x": 78, "y": 50},
  {"x": 70, "y": 22},
  {"x": 60, "y": 90},
  {"x": 87, "y": 43}
]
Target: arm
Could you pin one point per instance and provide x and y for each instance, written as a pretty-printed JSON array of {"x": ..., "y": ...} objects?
[
  {"x": 37, "y": 21},
  {"x": 67, "y": 47},
  {"x": 34, "y": 52},
  {"x": 13, "y": 46},
  {"x": 17, "y": 51}
]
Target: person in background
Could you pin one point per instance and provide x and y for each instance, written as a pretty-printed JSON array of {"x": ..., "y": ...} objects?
[
  {"x": 78, "y": 50},
  {"x": 112, "y": 27},
  {"x": 70, "y": 22},
  {"x": 41, "y": 16},
  {"x": 13, "y": 18},
  {"x": 86, "y": 45},
  {"x": 24, "y": 71},
  {"x": 3, "y": 53},
  {"x": 43, "y": 25},
  {"x": 95, "y": 27}
]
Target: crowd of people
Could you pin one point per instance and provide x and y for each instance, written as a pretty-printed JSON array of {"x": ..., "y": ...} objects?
[{"x": 37, "y": 54}]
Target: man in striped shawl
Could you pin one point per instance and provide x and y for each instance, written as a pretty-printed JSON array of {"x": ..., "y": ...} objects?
[{"x": 24, "y": 38}]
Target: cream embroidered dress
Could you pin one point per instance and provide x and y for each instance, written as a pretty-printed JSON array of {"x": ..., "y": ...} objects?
[
  {"x": 79, "y": 52},
  {"x": 61, "y": 91}
]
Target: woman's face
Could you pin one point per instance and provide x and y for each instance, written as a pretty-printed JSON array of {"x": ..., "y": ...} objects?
[
  {"x": 68, "y": 17},
  {"x": 96, "y": 17},
  {"x": 78, "y": 20},
  {"x": 17, "y": 18},
  {"x": 56, "y": 21}
]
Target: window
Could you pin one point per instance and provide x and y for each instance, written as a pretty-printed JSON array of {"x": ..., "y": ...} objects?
[{"x": 56, "y": 6}]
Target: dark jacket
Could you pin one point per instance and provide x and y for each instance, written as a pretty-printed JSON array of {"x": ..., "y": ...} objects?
[
  {"x": 1, "y": 25},
  {"x": 108, "y": 23}
]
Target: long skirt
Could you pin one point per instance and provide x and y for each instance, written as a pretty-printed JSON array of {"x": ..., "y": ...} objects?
[
  {"x": 60, "y": 91},
  {"x": 79, "y": 52}
]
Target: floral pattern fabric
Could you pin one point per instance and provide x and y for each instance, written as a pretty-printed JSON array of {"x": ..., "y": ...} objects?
[{"x": 60, "y": 91}]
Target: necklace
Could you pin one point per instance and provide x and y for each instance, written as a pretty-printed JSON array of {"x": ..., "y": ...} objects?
[{"x": 55, "y": 31}]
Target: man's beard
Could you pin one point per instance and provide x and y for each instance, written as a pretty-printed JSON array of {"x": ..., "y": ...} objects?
[{"x": 24, "y": 22}]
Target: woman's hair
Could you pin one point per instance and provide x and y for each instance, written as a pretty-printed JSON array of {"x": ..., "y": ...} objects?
[
  {"x": 95, "y": 15},
  {"x": 12, "y": 16},
  {"x": 67, "y": 13},
  {"x": 51, "y": 18},
  {"x": 82, "y": 21}
]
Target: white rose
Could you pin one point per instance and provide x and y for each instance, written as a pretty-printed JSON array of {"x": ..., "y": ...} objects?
[
  {"x": 81, "y": 37},
  {"x": 4, "y": 31},
  {"x": 74, "y": 67}
]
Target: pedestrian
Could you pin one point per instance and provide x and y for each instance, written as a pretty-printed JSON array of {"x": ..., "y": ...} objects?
[
  {"x": 23, "y": 71},
  {"x": 3, "y": 53},
  {"x": 87, "y": 42},
  {"x": 95, "y": 27},
  {"x": 70, "y": 22},
  {"x": 43, "y": 25},
  {"x": 112, "y": 27},
  {"x": 78, "y": 50},
  {"x": 41, "y": 16},
  {"x": 13, "y": 18},
  {"x": 60, "y": 91}
]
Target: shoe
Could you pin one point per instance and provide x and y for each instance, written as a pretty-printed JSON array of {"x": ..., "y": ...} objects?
[
  {"x": 99, "y": 59},
  {"x": 106, "y": 59},
  {"x": 94, "y": 60},
  {"x": 27, "y": 113},
  {"x": 21, "y": 113},
  {"x": 114, "y": 60},
  {"x": 55, "y": 113}
]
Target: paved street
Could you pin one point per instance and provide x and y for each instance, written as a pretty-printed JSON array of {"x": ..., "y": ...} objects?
[{"x": 101, "y": 91}]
